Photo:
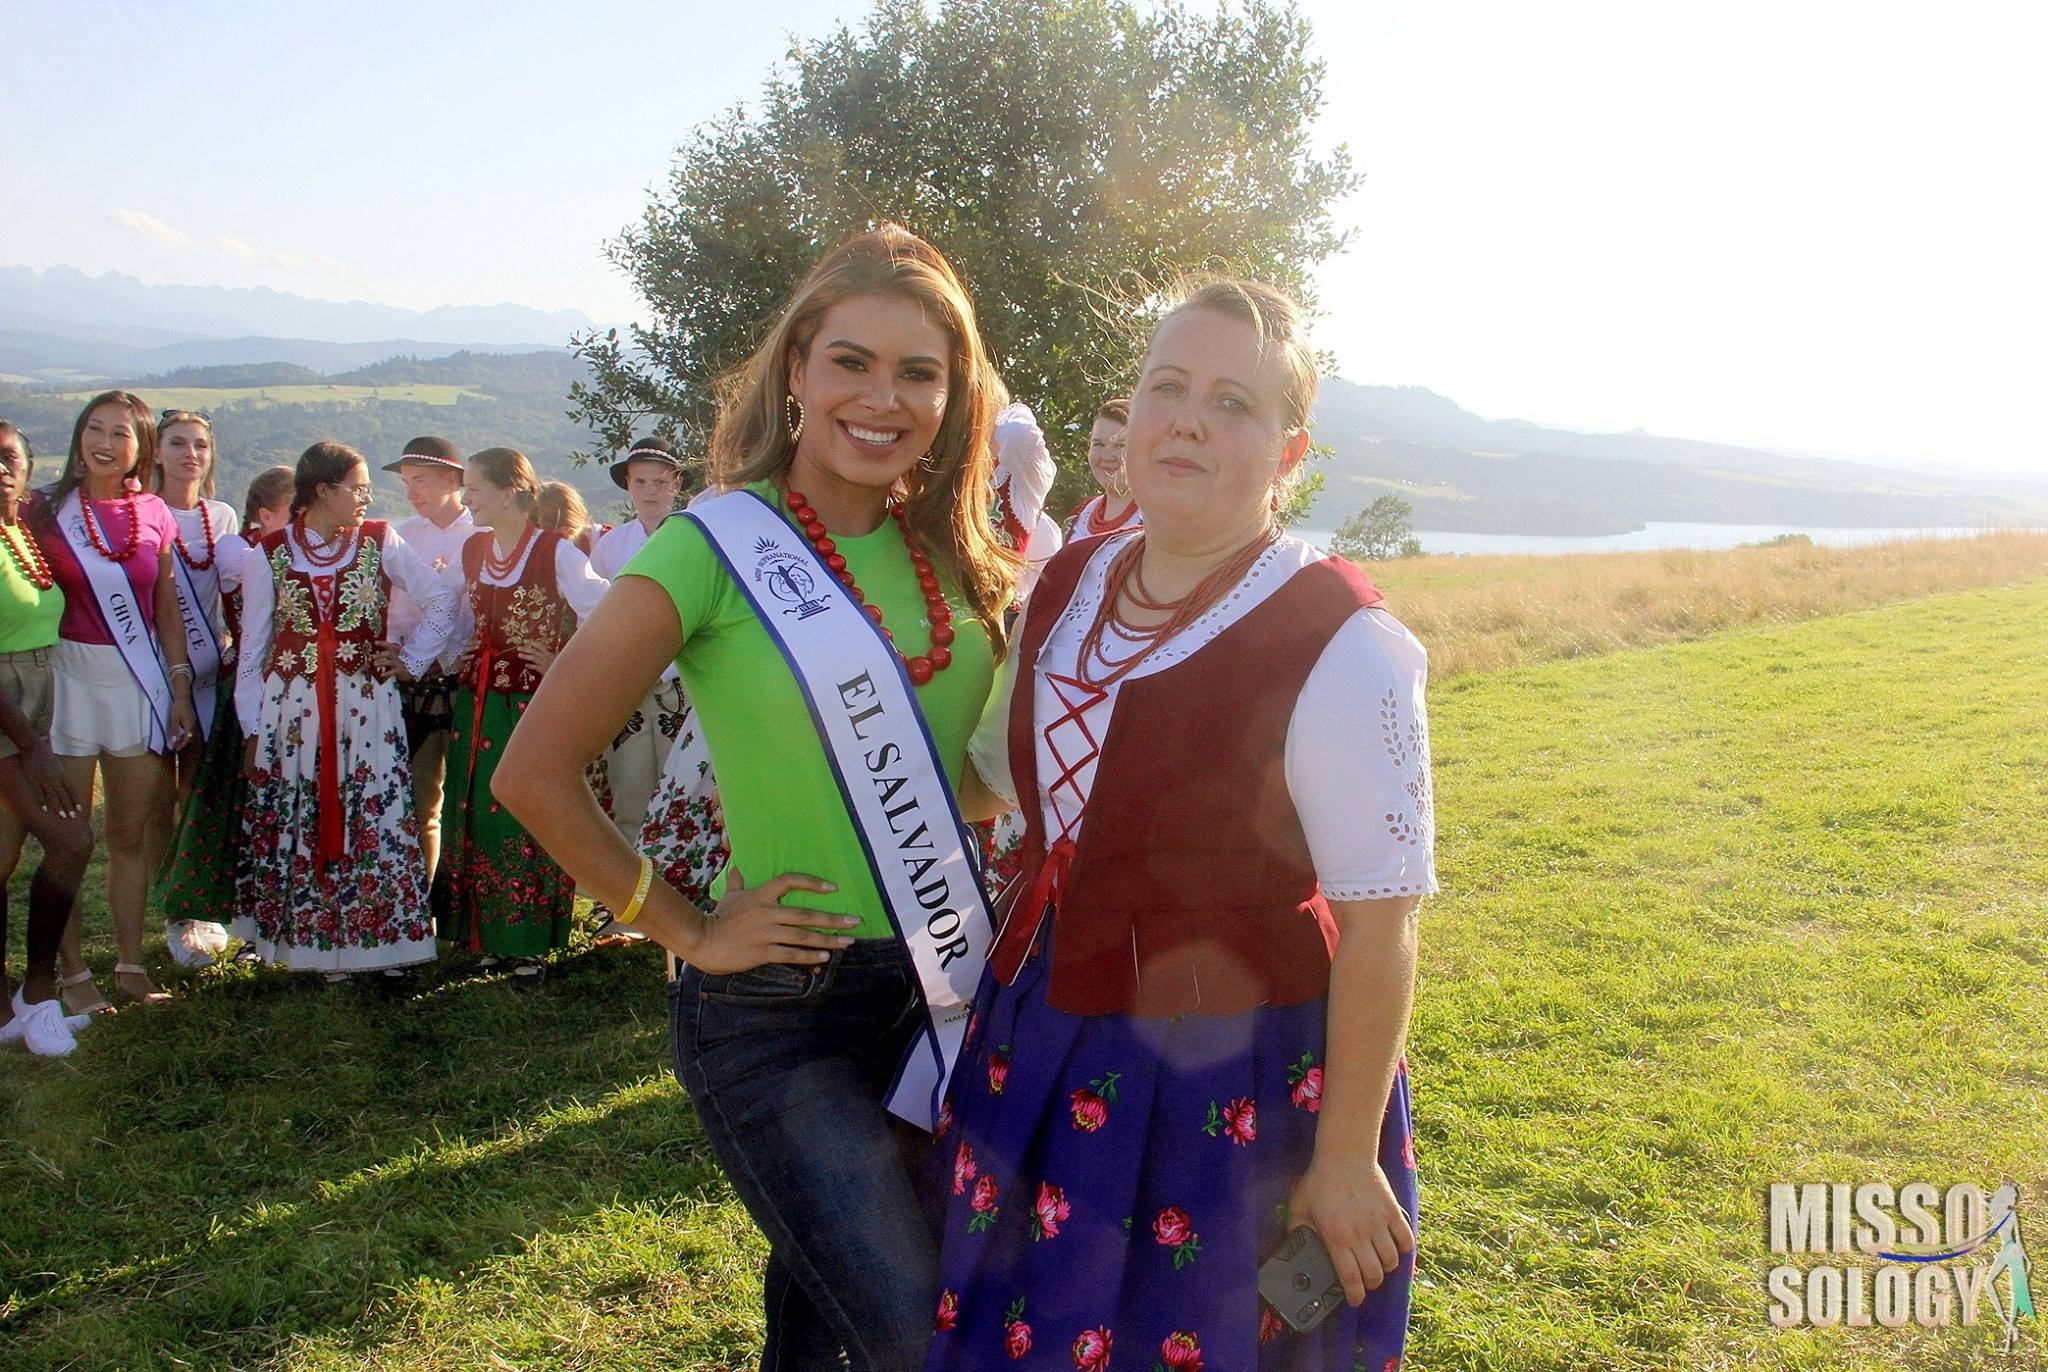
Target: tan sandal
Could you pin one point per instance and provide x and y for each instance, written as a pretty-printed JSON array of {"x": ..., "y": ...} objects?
[
  {"x": 89, "y": 1002},
  {"x": 150, "y": 997}
]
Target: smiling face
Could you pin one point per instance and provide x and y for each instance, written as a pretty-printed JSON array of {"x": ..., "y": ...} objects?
[
  {"x": 1210, "y": 431},
  {"x": 109, "y": 445},
  {"x": 14, "y": 469},
  {"x": 873, "y": 385},
  {"x": 652, "y": 486},
  {"x": 491, "y": 504},
  {"x": 1106, "y": 454},
  {"x": 185, "y": 450}
]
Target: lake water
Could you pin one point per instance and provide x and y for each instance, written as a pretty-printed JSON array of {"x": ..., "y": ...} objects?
[{"x": 1652, "y": 537}]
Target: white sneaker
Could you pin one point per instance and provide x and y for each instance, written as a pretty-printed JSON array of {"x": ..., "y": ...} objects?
[
  {"x": 195, "y": 942},
  {"x": 45, "y": 1027}
]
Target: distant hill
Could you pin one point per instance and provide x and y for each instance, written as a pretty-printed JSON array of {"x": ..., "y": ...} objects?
[{"x": 1466, "y": 474}]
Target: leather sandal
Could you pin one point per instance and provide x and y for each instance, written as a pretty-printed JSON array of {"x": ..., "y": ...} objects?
[
  {"x": 131, "y": 969},
  {"x": 88, "y": 1002}
]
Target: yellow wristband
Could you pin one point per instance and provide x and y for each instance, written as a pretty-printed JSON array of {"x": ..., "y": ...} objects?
[{"x": 632, "y": 910}]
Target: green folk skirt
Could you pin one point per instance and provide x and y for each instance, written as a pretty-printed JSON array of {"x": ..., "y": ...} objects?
[{"x": 496, "y": 891}]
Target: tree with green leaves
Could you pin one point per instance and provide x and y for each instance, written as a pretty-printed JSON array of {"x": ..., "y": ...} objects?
[
  {"x": 1068, "y": 156},
  {"x": 1378, "y": 532}
]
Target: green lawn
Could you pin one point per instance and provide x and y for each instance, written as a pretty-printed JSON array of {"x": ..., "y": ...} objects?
[
  {"x": 1759, "y": 908},
  {"x": 211, "y": 397}
]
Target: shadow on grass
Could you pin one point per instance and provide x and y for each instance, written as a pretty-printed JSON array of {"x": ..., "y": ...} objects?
[{"x": 267, "y": 1158}]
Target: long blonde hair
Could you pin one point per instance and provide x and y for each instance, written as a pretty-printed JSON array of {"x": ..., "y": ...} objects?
[{"x": 949, "y": 494}]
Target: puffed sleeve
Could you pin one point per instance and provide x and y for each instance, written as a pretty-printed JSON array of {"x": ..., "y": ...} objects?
[
  {"x": 253, "y": 634},
  {"x": 989, "y": 747},
  {"x": 1358, "y": 763},
  {"x": 416, "y": 576},
  {"x": 579, "y": 584}
]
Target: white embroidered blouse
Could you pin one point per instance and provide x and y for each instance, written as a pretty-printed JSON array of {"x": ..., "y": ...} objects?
[{"x": 1357, "y": 760}]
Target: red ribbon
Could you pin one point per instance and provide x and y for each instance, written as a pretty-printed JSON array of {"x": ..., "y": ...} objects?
[
  {"x": 460, "y": 881},
  {"x": 333, "y": 844}
]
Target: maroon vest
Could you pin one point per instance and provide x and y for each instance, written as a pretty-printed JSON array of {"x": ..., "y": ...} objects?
[
  {"x": 1191, "y": 888},
  {"x": 532, "y": 611}
]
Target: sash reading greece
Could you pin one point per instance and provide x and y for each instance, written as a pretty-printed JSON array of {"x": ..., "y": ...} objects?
[
  {"x": 127, "y": 619},
  {"x": 882, "y": 756}
]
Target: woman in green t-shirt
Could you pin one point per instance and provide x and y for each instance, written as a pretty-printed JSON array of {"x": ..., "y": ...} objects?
[
  {"x": 866, "y": 416},
  {"x": 34, "y": 797}
]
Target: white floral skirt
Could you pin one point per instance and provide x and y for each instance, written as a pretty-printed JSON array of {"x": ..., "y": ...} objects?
[{"x": 364, "y": 907}]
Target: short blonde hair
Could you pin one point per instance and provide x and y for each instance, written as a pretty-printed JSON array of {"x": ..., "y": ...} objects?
[{"x": 1281, "y": 324}]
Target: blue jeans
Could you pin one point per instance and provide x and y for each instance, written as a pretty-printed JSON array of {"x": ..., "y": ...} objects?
[{"x": 787, "y": 1066}]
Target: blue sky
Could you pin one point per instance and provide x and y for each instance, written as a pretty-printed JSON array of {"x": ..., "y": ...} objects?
[{"x": 1809, "y": 224}]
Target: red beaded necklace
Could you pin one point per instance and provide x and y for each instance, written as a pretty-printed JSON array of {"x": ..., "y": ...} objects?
[
  {"x": 335, "y": 553},
  {"x": 205, "y": 528},
  {"x": 934, "y": 659},
  {"x": 21, "y": 546},
  {"x": 1099, "y": 525},
  {"x": 98, "y": 540},
  {"x": 502, "y": 567}
]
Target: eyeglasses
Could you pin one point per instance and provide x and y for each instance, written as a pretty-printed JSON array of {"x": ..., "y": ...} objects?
[
  {"x": 361, "y": 489},
  {"x": 180, "y": 416}
]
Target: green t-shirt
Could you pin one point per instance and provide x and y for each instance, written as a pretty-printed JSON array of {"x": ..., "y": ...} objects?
[
  {"x": 28, "y": 617},
  {"x": 783, "y": 810}
]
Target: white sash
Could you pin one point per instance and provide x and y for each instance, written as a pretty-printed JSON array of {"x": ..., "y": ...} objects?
[
  {"x": 888, "y": 771},
  {"x": 202, "y": 649},
  {"x": 127, "y": 619}
]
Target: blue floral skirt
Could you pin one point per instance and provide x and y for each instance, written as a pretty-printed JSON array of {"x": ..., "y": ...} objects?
[{"x": 1109, "y": 1186}]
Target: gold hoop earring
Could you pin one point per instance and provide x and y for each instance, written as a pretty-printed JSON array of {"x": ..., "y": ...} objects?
[{"x": 793, "y": 417}]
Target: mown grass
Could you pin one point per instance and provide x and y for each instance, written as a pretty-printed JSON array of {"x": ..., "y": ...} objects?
[
  {"x": 1757, "y": 908},
  {"x": 211, "y": 397},
  {"x": 1486, "y": 613}
]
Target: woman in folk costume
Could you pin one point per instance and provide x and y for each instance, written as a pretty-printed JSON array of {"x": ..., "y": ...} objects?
[
  {"x": 853, "y": 453},
  {"x": 34, "y": 798},
  {"x": 199, "y": 880},
  {"x": 496, "y": 892},
  {"x": 184, "y": 478},
  {"x": 1189, "y": 1040},
  {"x": 335, "y": 881},
  {"x": 123, "y": 682},
  {"x": 1114, "y": 508}
]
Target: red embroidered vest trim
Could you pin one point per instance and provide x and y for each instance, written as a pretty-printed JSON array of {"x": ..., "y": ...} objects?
[{"x": 1191, "y": 888}]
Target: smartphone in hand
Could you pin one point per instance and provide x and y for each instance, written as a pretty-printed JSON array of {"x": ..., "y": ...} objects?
[{"x": 1300, "y": 1282}]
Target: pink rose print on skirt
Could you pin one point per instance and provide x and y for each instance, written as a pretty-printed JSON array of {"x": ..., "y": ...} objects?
[
  {"x": 1050, "y": 1211},
  {"x": 985, "y": 1194},
  {"x": 1180, "y": 1351},
  {"x": 1016, "y": 1333},
  {"x": 1091, "y": 1103},
  {"x": 1091, "y": 1350},
  {"x": 1307, "y": 1080},
  {"x": 998, "y": 1069},
  {"x": 949, "y": 1312},
  {"x": 1174, "y": 1229},
  {"x": 963, "y": 1168},
  {"x": 1237, "y": 1121},
  {"x": 1269, "y": 1324}
]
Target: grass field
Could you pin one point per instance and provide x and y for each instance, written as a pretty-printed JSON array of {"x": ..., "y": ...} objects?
[
  {"x": 1766, "y": 906},
  {"x": 215, "y": 397}
]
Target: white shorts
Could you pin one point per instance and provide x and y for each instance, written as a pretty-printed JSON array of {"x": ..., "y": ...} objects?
[{"x": 99, "y": 707}]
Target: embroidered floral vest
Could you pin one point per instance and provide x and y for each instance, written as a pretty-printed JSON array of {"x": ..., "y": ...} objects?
[
  {"x": 347, "y": 601},
  {"x": 533, "y": 611}
]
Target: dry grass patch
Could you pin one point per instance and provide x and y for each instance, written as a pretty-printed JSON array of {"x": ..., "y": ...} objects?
[{"x": 1483, "y": 614}]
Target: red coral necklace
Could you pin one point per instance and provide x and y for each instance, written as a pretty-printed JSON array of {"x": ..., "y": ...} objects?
[
  {"x": 333, "y": 554},
  {"x": 206, "y": 530},
  {"x": 21, "y": 546},
  {"x": 98, "y": 539},
  {"x": 934, "y": 659},
  {"x": 502, "y": 567}
]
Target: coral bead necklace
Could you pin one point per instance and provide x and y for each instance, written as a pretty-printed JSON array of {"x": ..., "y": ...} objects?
[
  {"x": 21, "y": 547},
  {"x": 934, "y": 659},
  {"x": 206, "y": 531},
  {"x": 99, "y": 540}
]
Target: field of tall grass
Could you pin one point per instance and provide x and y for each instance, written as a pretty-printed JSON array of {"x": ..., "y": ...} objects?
[
  {"x": 1765, "y": 906},
  {"x": 1486, "y": 613}
]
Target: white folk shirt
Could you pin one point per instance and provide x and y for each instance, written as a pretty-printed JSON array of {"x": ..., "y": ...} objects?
[
  {"x": 1357, "y": 758},
  {"x": 617, "y": 547},
  {"x": 441, "y": 549}
]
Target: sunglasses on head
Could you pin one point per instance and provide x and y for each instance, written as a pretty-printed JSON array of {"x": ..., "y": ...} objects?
[{"x": 180, "y": 416}]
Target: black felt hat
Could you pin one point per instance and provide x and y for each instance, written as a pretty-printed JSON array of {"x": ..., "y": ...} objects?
[
  {"x": 428, "y": 452},
  {"x": 644, "y": 450}
]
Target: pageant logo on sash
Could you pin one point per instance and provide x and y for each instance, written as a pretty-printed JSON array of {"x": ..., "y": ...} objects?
[
  {"x": 787, "y": 578},
  {"x": 888, "y": 772}
]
